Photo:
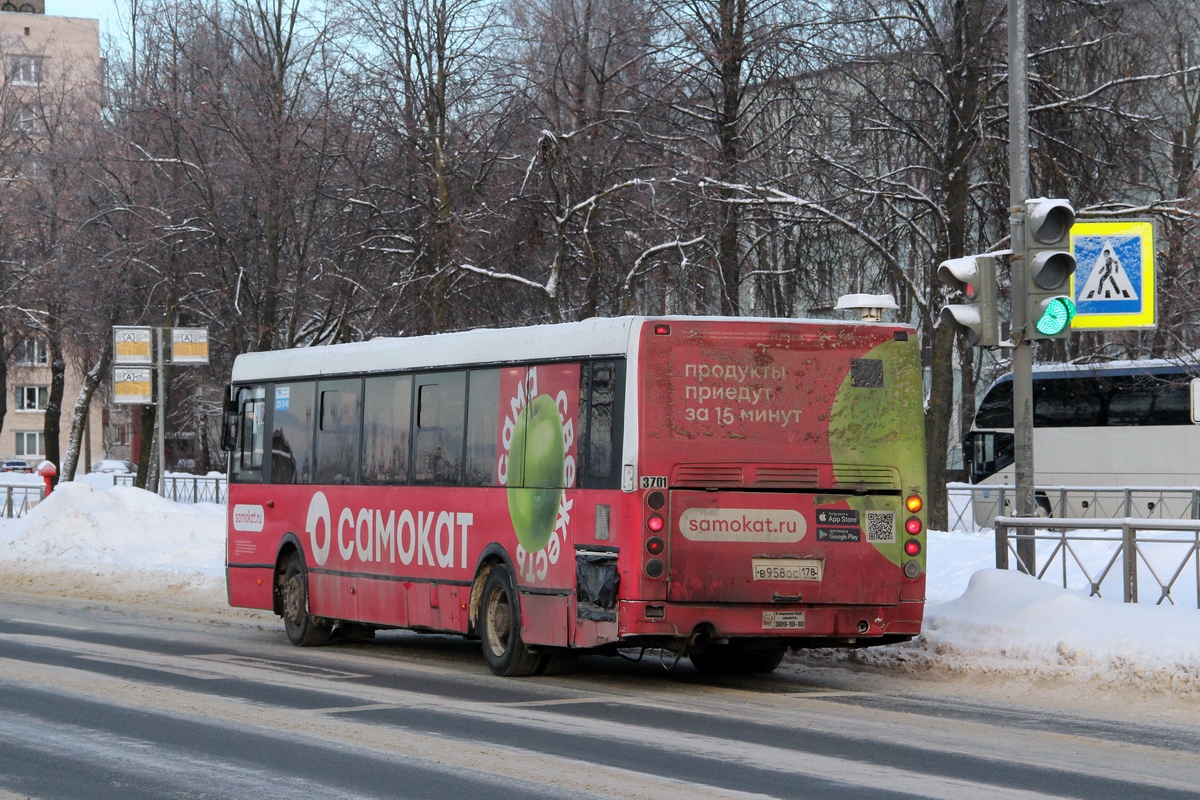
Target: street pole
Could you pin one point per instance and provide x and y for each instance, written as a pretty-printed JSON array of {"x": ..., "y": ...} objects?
[
  {"x": 160, "y": 418},
  {"x": 1018, "y": 193}
]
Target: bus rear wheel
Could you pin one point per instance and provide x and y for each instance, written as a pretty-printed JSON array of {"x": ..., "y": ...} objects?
[
  {"x": 500, "y": 628},
  {"x": 303, "y": 630},
  {"x": 731, "y": 660}
]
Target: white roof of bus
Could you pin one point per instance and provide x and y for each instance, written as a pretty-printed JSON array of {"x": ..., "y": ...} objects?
[{"x": 593, "y": 337}]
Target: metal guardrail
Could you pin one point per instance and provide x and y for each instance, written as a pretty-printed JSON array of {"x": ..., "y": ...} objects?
[
  {"x": 973, "y": 506},
  {"x": 19, "y": 500},
  {"x": 1126, "y": 547},
  {"x": 187, "y": 488}
]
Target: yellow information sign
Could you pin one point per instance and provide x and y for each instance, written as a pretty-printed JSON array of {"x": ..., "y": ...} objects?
[
  {"x": 189, "y": 345},
  {"x": 1114, "y": 281},
  {"x": 132, "y": 345},
  {"x": 131, "y": 385}
]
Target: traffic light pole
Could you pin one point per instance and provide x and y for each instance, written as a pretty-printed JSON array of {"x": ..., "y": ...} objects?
[{"x": 1018, "y": 193}]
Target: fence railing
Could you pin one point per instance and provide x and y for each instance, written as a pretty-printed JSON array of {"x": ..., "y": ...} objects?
[
  {"x": 19, "y": 500},
  {"x": 187, "y": 488},
  {"x": 974, "y": 506},
  {"x": 1086, "y": 560}
]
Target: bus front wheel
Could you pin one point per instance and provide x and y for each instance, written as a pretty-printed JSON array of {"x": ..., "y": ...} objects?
[
  {"x": 303, "y": 630},
  {"x": 500, "y": 628}
]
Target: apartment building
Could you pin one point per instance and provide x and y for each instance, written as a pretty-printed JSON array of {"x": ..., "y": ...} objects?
[{"x": 45, "y": 57}]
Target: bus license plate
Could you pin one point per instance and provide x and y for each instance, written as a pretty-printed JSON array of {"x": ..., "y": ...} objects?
[
  {"x": 787, "y": 569},
  {"x": 782, "y": 620}
]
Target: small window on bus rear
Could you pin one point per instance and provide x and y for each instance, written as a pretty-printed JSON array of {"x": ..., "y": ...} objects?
[
  {"x": 438, "y": 434},
  {"x": 601, "y": 422},
  {"x": 337, "y": 431},
  {"x": 247, "y": 457},
  {"x": 292, "y": 437},
  {"x": 387, "y": 412}
]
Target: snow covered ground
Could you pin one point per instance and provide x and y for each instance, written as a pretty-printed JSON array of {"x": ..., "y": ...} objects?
[{"x": 91, "y": 539}]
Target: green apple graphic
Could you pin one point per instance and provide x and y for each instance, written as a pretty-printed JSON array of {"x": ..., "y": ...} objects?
[{"x": 537, "y": 453}]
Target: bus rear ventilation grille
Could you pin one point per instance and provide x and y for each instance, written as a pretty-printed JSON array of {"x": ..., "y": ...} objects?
[
  {"x": 858, "y": 476},
  {"x": 708, "y": 475},
  {"x": 787, "y": 477}
]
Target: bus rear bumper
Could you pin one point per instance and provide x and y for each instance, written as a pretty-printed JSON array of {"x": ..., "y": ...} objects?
[{"x": 638, "y": 618}]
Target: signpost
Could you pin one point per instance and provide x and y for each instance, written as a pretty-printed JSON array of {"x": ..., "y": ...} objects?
[
  {"x": 1114, "y": 282},
  {"x": 134, "y": 366}
]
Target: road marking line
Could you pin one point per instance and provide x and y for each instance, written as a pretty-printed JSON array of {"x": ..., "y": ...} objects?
[
  {"x": 39, "y": 623},
  {"x": 754, "y": 756},
  {"x": 499, "y": 764}
]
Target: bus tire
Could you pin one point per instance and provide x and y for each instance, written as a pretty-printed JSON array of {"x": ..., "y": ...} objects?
[
  {"x": 500, "y": 628},
  {"x": 303, "y": 629},
  {"x": 730, "y": 660}
]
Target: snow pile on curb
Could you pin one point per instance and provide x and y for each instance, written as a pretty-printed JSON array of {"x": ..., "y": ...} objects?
[
  {"x": 1011, "y": 626},
  {"x": 129, "y": 538}
]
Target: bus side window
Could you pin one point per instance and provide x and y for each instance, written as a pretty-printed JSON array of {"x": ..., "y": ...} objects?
[
  {"x": 387, "y": 412},
  {"x": 292, "y": 437},
  {"x": 483, "y": 427},
  {"x": 247, "y": 457},
  {"x": 438, "y": 439},
  {"x": 338, "y": 431}
]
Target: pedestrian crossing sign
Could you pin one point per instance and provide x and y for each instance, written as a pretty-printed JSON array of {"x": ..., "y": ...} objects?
[{"x": 1113, "y": 284}]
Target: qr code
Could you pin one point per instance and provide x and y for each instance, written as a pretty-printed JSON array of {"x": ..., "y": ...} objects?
[{"x": 881, "y": 526}]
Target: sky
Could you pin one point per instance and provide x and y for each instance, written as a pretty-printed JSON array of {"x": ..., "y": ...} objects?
[{"x": 104, "y": 10}]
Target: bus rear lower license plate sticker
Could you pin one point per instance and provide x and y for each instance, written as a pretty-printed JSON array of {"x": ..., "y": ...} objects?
[
  {"x": 780, "y": 620},
  {"x": 787, "y": 569}
]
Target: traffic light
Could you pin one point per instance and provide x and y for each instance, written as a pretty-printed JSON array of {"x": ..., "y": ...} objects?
[
  {"x": 974, "y": 277},
  {"x": 1048, "y": 268}
]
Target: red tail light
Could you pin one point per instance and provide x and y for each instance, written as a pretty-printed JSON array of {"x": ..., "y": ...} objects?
[
  {"x": 655, "y": 523},
  {"x": 912, "y": 547},
  {"x": 913, "y": 525}
]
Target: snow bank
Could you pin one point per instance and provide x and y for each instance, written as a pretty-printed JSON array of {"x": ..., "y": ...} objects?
[
  {"x": 1012, "y": 627},
  {"x": 123, "y": 538}
]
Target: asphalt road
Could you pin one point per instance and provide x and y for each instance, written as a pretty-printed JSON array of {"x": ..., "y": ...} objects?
[{"x": 103, "y": 700}]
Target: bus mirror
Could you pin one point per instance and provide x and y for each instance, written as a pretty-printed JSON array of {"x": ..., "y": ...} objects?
[
  {"x": 229, "y": 421},
  {"x": 1195, "y": 400}
]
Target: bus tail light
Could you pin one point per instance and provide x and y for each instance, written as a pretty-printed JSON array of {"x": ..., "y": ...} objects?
[
  {"x": 912, "y": 547},
  {"x": 914, "y": 503},
  {"x": 655, "y": 568},
  {"x": 662, "y": 330},
  {"x": 912, "y": 569},
  {"x": 655, "y": 523},
  {"x": 655, "y": 546},
  {"x": 913, "y": 525}
]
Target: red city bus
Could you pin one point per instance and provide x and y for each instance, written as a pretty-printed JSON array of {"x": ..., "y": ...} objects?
[{"x": 724, "y": 488}]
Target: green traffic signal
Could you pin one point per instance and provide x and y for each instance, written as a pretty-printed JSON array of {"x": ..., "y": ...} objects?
[{"x": 1057, "y": 313}]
